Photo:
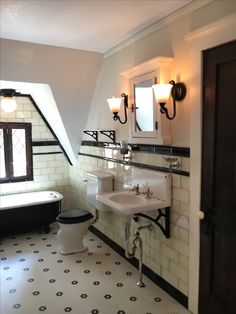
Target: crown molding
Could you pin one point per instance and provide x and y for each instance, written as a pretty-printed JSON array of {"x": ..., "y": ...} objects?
[
  {"x": 211, "y": 28},
  {"x": 164, "y": 22},
  {"x": 148, "y": 66}
]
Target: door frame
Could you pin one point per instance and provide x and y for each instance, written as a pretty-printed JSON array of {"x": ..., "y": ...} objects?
[{"x": 204, "y": 38}]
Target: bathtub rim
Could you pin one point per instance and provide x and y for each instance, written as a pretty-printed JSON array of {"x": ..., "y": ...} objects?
[{"x": 32, "y": 203}]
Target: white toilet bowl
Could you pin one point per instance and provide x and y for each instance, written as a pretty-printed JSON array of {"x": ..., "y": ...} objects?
[{"x": 74, "y": 225}]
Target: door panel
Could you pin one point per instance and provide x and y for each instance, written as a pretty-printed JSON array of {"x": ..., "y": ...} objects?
[{"x": 217, "y": 293}]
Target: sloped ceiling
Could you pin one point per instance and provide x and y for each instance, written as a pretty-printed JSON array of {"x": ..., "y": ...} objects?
[
  {"x": 42, "y": 94},
  {"x": 71, "y": 75}
]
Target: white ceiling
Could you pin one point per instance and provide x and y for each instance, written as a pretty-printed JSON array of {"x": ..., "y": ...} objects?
[{"x": 95, "y": 25}]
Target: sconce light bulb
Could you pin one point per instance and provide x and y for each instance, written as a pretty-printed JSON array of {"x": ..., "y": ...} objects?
[
  {"x": 114, "y": 104},
  {"x": 162, "y": 92}
]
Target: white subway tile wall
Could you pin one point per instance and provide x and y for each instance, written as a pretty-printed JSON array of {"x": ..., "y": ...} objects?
[
  {"x": 166, "y": 257},
  {"x": 51, "y": 171}
]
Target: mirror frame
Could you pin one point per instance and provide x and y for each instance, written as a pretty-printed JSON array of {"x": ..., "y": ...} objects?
[{"x": 134, "y": 132}]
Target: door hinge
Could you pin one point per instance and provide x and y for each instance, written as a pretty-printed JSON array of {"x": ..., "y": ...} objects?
[{"x": 156, "y": 125}]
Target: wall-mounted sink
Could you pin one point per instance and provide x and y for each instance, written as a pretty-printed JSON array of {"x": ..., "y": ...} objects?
[{"x": 128, "y": 203}]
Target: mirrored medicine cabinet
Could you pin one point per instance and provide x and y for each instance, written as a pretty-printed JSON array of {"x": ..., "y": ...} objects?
[
  {"x": 147, "y": 125},
  {"x": 143, "y": 109}
]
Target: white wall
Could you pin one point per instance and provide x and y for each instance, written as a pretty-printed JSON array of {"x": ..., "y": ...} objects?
[{"x": 70, "y": 73}]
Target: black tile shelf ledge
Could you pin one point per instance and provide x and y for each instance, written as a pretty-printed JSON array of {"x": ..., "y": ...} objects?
[
  {"x": 45, "y": 143},
  {"x": 159, "y": 281},
  {"x": 137, "y": 164},
  {"x": 157, "y": 149},
  {"x": 47, "y": 153}
]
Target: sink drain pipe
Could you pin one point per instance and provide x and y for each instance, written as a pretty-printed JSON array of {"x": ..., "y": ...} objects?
[{"x": 137, "y": 243}]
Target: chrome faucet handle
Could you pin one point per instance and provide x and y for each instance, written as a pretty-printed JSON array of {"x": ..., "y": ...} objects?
[
  {"x": 148, "y": 194},
  {"x": 135, "y": 189}
]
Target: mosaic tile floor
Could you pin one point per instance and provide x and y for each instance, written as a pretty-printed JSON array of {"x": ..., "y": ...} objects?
[{"x": 36, "y": 278}]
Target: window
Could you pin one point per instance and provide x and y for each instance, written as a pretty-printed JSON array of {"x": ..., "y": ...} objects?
[{"x": 15, "y": 152}]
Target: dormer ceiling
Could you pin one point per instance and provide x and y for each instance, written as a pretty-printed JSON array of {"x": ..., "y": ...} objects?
[{"x": 92, "y": 25}]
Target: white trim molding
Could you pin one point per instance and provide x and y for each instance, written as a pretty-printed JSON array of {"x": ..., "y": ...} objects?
[
  {"x": 164, "y": 22},
  {"x": 148, "y": 66},
  {"x": 211, "y": 28}
]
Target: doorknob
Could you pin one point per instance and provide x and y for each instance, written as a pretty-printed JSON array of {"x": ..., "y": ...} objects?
[{"x": 201, "y": 215}]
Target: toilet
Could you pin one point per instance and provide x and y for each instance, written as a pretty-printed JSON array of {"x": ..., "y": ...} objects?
[{"x": 74, "y": 223}]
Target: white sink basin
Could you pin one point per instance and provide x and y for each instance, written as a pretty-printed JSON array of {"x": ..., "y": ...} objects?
[
  {"x": 126, "y": 199},
  {"x": 128, "y": 203}
]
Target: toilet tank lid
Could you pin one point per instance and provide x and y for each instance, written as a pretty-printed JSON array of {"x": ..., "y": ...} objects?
[{"x": 101, "y": 175}]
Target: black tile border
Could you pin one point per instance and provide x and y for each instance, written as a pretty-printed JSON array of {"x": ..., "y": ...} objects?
[
  {"x": 139, "y": 165},
  {"x": 47, "y": 124},
  {"x": 162, "y": 283},
  {"x": 47, "y": 153},
  {"x": 157, "y": 149},
  {"x": 46, "y": 143}
]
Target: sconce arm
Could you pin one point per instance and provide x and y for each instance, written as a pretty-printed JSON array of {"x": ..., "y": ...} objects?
[
  {"x": 163, "y": 109},
  {"x": 115, "y": 114},
  {"x": 178, "y": 92}
]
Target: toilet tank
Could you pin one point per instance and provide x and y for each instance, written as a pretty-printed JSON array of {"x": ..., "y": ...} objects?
[{"x": 98, "y": 182}]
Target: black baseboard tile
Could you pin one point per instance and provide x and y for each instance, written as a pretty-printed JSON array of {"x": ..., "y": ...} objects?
[{"x": 159, "y": 281}]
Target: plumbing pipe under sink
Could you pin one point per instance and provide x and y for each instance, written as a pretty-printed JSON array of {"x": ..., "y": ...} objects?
[{"x": 137, "y": 241}]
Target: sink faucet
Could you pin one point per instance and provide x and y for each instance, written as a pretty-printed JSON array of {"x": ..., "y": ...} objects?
[
  {"x": 135, "y": 189},
  {"x": 148, "y": 193}
]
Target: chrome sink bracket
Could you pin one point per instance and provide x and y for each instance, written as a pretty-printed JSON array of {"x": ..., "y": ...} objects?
[{"x": 162, "y": 212}]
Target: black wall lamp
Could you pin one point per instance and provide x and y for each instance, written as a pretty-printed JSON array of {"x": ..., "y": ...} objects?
[
  {"x": 115, "y": 104},
  {"x": 162, "y": 93},
  {"x": 8, "y": 102}
]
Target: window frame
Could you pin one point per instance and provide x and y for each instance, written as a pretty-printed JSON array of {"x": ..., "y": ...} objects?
[{"x": 8, "y": 151}]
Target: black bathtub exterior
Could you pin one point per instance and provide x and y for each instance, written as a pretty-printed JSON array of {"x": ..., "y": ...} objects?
[{"x": 29, "y": 217}]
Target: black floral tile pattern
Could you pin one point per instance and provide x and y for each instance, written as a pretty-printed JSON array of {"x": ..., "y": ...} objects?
[{"x": 36, "y": 278}]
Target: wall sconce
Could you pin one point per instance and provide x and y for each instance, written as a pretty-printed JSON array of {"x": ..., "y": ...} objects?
[
  {"x": 162, "y": 93},
  {"x": 115, "y": 103},
  {"x": 8, "y": 102}
]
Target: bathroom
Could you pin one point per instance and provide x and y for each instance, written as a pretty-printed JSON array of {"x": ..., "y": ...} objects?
[{"x": 176, "y": 259}]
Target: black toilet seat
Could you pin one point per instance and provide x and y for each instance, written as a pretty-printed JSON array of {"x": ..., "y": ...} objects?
[{"x": 74, "y": 216}]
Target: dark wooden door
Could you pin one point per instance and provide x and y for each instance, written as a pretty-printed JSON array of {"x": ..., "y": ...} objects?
[{"x": 217, "y": 291}]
